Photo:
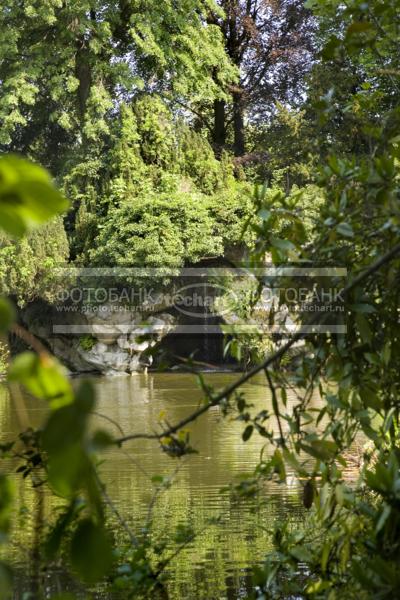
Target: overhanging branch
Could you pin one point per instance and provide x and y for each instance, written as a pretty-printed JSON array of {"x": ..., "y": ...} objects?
[{"x": 263, "y": 366}]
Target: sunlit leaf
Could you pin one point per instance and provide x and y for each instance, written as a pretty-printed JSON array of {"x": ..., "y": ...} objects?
[
  {"x": 43, "y": 376},
  {"x": 345, "y": 229},
  {"x": 27, "y": 196}
]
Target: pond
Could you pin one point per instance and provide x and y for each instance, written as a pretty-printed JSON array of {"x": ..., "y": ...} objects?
[{"x": 217, "y": 564}]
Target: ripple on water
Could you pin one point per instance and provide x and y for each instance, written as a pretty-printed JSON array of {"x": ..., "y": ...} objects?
[{"x": 218, "y": 562}]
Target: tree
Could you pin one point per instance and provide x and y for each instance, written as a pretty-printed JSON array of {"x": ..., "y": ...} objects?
[
  {"x": 270, "y": 43},
  {"x": 63, "y": 108},
  {"x": 156, "y": 176},
  {"x": 54, "y": 102}
]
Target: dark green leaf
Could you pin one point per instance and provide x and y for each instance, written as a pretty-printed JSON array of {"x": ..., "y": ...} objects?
[
  {"x": 7, "y": 314},
  {"x": 247, "y": 433},
  {"x": 91, "y": 552}
]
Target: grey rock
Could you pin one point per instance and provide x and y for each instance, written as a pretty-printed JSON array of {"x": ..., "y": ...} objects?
[{"x": 117, "y": 349}]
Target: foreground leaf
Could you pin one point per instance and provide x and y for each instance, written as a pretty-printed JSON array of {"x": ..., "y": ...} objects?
[
  {"x": 27, "y": 196},
  {"x": 91, "y": 553}
]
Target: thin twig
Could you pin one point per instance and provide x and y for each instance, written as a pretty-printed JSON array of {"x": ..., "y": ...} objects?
[
  {"x": 275, "y": 404},
  {"x": 191, "y": 361},
  {"x": 157, "y": 493},
  {"x": 109, "y": 419},
  {"x": 115, "y": 510}
]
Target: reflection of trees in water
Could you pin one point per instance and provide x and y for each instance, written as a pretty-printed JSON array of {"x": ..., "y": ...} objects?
[{"x": 216, "y": 564}]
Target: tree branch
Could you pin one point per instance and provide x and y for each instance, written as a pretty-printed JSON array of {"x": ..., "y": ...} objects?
[{"x": 230, "y": 389}]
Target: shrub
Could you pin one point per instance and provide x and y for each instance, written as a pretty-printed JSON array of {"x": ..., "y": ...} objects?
[{"x": 27, "y": 265}]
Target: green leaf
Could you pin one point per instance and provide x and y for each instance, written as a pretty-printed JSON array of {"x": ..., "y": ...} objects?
[
  {"x": 54, "y": 539},
  {"x": 331, "y": 48},
  {"x": 383, "y": 517},
  {"x": 364, "y": 328},
  {"x": 91, "y": 551},
  {"x": 386, "y": 353},
  {"x": 321, "y": 449},
  {"x": 363, "y": 308},
  {"x": 370, "y": 397},
  {"x": 358, "y": 27},
  {"x": 27, "y": 196},
  {"x": 67, "y": 471},
  {"x": 43, "y": 376},
  {"x": 85, "y": 397},
  {"x": 345, "y": 229},
  {"x": 64, "y": 427},
  {"x": 301, "y": 553},
  {"x": 284, "y": 245},
  {"x": 7, "y": 314},
  {"x": 264, "y": 214},
  {"x": 318, "y": 586},
  {"x": 291, "y": 459},
  {"x": 101, "y": 439}
]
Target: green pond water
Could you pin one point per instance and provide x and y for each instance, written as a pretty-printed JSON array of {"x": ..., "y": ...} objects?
[{"x": 217, "y": 564}]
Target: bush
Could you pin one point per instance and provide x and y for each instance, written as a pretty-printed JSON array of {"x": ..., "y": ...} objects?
[
  {"x": 27, "y": 265},
  {"x": 167, "y": 230}
]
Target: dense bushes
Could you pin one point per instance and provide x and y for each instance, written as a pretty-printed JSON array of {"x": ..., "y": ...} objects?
[
  {"x": 27, "y": 265},
  {"x": 152, "y": 194},
  {"x": 156, "y": 231},
  {"x": 158, "y": 197},
  {"x": 169, "y": 230}
]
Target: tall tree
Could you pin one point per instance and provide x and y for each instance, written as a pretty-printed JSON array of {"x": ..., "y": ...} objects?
[
  {"x": 270, "y": 43},
  {"x": 66, "y": 66}
]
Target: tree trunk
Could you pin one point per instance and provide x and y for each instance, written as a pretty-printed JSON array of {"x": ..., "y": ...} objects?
[
  {"x": 238, "y": 124},
  {"x": 84, "y": 75},
  {"x": 219, "y": 127}
]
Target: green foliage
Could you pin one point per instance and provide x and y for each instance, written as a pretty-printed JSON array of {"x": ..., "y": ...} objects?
[
  {"x": 349, "y": 548},
  {"x": 87, "y": 342},
  {"x": 27, "y": 197},
  {"x": 199, "y": 163},
  {"x": 168, "y": 230},
  {"x": 27, "y": 265},
  {"x": 91, "y": 554},
  {"x": 288, "y": 143},
  {"x": 62, "y": 449},
  {"x": 28, "y": 200},
  {"x": 159, "y": 231},
  {"x": 100, "y": 51},
  {"x": 158, "y": 195}
]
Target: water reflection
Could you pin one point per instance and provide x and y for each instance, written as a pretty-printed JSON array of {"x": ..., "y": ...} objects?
[{"x": 216, "y": 564}]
